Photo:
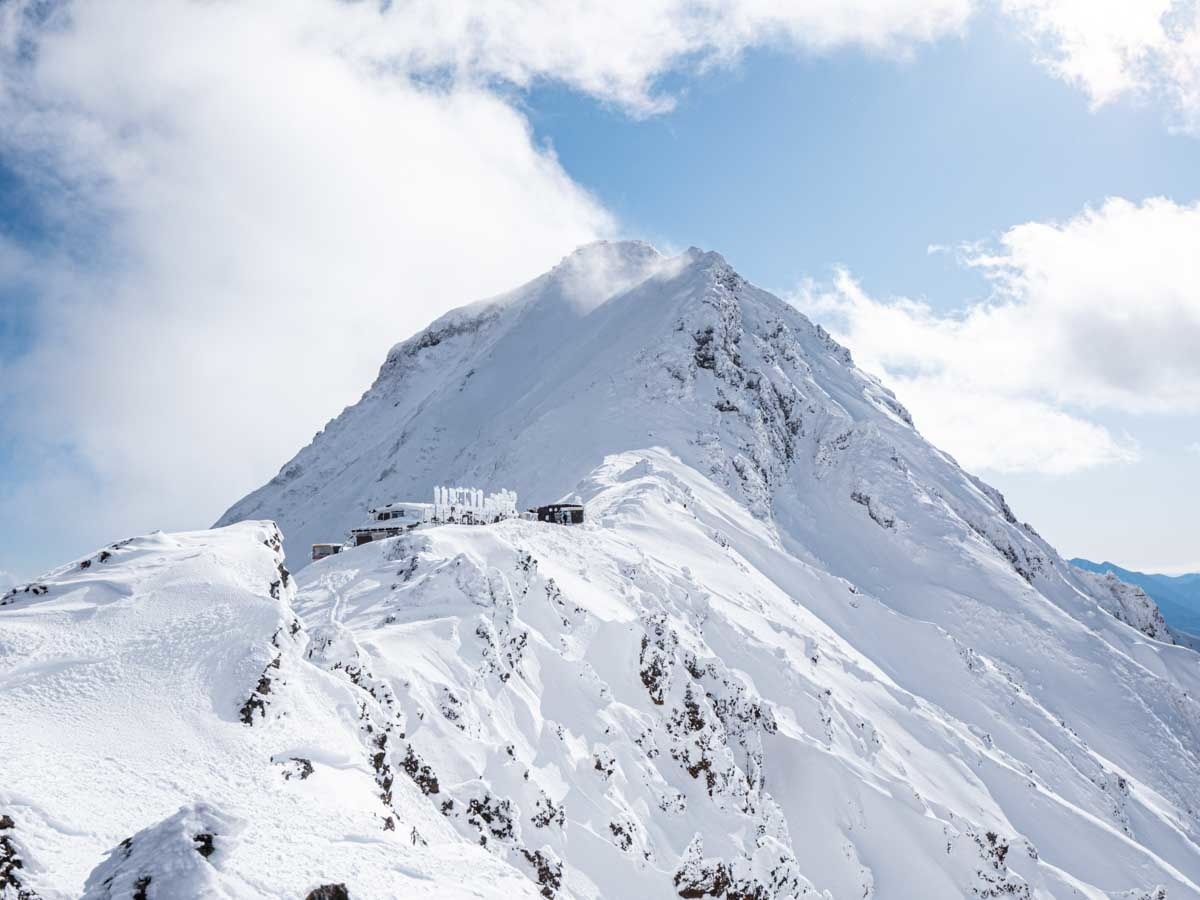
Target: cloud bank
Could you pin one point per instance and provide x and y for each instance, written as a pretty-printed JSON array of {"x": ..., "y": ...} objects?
[
  {"x": 241, "y": 206},
  {"x": 1098, "y": 313},
  {"x": 618, "y": 51}
]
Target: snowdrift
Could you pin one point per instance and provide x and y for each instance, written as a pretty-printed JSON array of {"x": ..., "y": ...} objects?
[{"x": 164, "y": 736}]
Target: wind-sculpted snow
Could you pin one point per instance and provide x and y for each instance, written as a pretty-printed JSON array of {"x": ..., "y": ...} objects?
[
  {"x": 663, "y": 702},
  {"x": 666, "y": 702},
  {"x": 185, "y": 854},
  {"x": 164, "y": 736}
]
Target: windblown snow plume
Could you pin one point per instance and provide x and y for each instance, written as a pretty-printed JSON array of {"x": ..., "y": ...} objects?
[{"x": 793, "y": 651}]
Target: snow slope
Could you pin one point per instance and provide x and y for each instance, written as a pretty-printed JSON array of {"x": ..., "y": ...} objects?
[
  {"x": 535, "y": 389},
  {"x": 670, "y": 701},
  {"x": 619, "y": 348},
  {"x": 795, "y": 651},
  {"x": 156, "y": 702}
]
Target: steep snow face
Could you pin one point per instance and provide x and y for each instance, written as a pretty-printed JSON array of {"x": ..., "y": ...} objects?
[
  {"x": 616, "y": 348},
  {"x": 666, "y": 701},
  {"x": 536, "y": 389},
  {"x": 620, "y": 348},
  {"x": 164, "y": 735}
]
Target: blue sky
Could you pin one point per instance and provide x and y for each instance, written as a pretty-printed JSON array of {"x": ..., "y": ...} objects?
[
  {"x": 791, "y": 166},
  {"x": 171, "y": 240}
]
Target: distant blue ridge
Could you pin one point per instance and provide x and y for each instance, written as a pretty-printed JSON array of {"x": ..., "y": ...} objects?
[{"x": 1177, "y": 596}]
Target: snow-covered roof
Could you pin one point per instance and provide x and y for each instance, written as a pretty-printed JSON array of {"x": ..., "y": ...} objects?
[{"x": 401, "y": 504}]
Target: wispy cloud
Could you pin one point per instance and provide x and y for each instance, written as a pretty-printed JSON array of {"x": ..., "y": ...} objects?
[
  {"x": 1101, "y": 312},
  {"x": 246, "y": 220},
  {"x": 1116, "y": 49}
]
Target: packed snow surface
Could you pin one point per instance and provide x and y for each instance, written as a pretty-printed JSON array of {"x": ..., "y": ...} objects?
[
  {"x": 794, "y": 651},
  {"x": 156, "y": 702}
]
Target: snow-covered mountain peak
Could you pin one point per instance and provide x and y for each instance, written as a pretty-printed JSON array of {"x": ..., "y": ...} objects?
[
  {"x": 618, "y": 347},
  {"x": 794, "y": 651}
]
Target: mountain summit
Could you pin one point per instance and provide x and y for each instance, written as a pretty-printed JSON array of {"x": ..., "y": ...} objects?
[
  {"x": 619, "y": 348},
  {"x": 616, "y": 348},
  {"x": 793, "y": 651}
]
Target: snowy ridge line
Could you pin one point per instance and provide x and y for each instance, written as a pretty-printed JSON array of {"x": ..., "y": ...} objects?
[
  {"x": 651, "y": 498},
  {"x": 132, "y": 772},
  {"x": 793, "y": 652}
]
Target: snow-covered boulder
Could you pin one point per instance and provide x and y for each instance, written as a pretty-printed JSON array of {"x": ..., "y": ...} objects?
[{"x": 182, "y": 856}]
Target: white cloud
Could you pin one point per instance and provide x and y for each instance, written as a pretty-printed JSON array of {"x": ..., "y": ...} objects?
[
  {"x": 245, "y": 205},
  {"x": 249, "y": 219},
  {"x": 617, "y": 51},
  {"x": 1108, "y": 303},
  {"x": 1004, "y": 433},
  {"x": 1193, "y": 448},
  {"x": 1101, "y": 312},
  {"x": 1114, "y": 48}
]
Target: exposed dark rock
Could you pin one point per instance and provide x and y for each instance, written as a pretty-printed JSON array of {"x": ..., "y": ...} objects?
[
  {"x": 995, "y": 878},
  {"x": 419, "y": 772},
  {"x": 547, "y": 870},
  {"x": 204, "y": 845},
  {"x": 880, "y": 518},
  {"x": 622, "y": 835},
  {"x": 328, "y": 892},
  {"x": 11, "y": 864},
  {"x": 256, "y": 702},
  {"x": 548, "y": 814},
  {"x": 704, "y": 356},
  {"x": 654, "y": 663},
  {"x": 494, "y": 813},
  {"x": 297, "y": 767}
]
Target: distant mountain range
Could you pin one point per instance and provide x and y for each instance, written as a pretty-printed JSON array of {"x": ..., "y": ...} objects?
[{"x": 1177, "y": 596}]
